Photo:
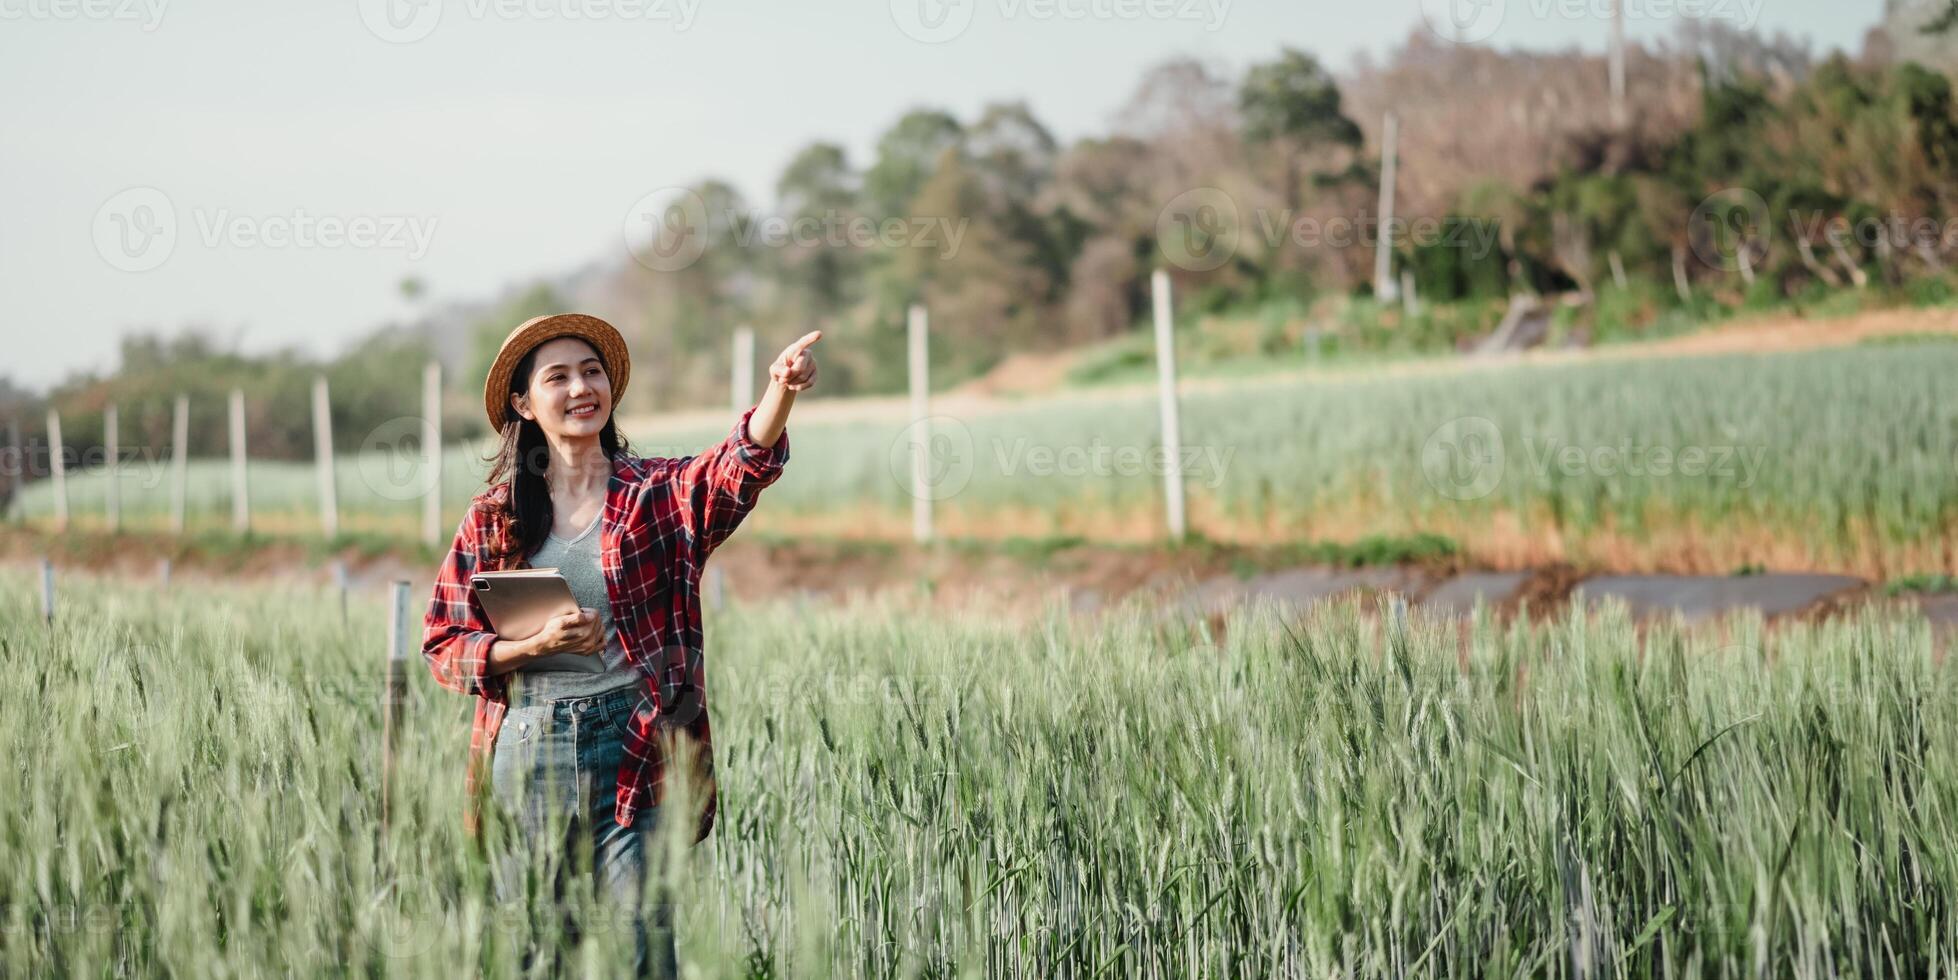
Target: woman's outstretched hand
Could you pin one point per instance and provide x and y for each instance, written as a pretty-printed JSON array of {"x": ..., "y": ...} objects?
[{"x": 795, "y": 369}]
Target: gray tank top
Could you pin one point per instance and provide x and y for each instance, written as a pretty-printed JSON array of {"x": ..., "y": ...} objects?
[{"x": 577, "y": 560}]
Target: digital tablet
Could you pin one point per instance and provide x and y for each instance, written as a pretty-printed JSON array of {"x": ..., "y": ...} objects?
[{"x": 520, "y": 601}]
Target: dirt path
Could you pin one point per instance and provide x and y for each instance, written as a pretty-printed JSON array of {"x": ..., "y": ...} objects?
[{"x": 1086, "y": 580}]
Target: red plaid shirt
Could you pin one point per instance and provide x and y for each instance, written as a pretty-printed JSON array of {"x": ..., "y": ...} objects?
[{"x": 662, "y": 518}]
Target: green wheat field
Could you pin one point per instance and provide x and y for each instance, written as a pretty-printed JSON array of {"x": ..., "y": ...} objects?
[
  {"x": 193, "y": 789},
  {"x": 1835, "y": 460}
]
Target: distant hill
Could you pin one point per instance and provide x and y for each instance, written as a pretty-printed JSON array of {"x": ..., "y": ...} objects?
[{"x": 1902, "y": 32}]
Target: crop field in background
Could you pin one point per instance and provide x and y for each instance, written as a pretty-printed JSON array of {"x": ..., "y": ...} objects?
[
  {"x": 193, "y": 790},
  {"x": 1835, "y": 459}
]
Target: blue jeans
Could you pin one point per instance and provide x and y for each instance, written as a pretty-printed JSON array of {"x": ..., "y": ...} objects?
[{"x": 554, "y": 774}]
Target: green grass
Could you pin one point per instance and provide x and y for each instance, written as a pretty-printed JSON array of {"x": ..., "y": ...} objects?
[
  {"x": 1925, "y": 584},
  {"x": 1844, "y": 452},
  {"x": 192, "y": 789}
]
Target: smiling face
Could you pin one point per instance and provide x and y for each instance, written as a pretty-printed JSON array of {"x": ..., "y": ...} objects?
[{"x": 570, "y": 394}]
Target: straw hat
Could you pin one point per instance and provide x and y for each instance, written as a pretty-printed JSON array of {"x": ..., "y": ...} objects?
[{"x": 602, "y": 336}]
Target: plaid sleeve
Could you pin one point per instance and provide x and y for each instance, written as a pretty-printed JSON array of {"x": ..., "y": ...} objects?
[
  {"x": 720, "y": 486},
  {"x": 456, "y": 633}
]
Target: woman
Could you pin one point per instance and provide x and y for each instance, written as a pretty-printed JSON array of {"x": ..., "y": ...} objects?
[{"x": 574, "y": 726}]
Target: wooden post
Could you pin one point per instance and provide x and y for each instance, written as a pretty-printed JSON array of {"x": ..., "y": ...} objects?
[
  {"x": 1410, "y": 303},
  {"x": 163, "y": 572},
  {"x": 58, "y": 467},
  {"x": 111, "y": 470},
  {"x": 241, "y": 510},
  {"x": 179, "y": 462},
  {"x": 1171, "y": 419},
  {"x": 432, "y": 449},
  {"x": 394, "y": 689},
  {"x": 323, "y": 458},
  {"x": 1383, "y": 250},
  {"x": 47, "y": 591},
  {"x": 741, "y": 384},
  {"x": 917, "y": 326}
]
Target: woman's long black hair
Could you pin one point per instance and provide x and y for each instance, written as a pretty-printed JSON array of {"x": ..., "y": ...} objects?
[{"x": 524, "y": 455}]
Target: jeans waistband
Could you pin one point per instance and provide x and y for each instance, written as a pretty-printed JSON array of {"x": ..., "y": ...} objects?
[{"x": 603, "y": 707}]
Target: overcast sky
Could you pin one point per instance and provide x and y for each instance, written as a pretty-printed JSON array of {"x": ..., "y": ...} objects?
[{"x": 274, "y": 169}]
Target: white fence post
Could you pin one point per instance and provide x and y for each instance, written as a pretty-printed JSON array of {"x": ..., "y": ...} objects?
[
  {"x": 432, "y": 435},
  {"x": 917, "y": 328},
  {"x": 323, "y": 458},
  {"x": 1384, "y": 286},
  {"x": 58, "y": 468},
  {"x": 163, "y": 572},
  {"x": 1171, "y": 418},
  {"x": 241, "y": 508},
  {"x": 395, "y": 688},
  {"x": 111, "y": 470},
  {"x": 179, "y": 462}
]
